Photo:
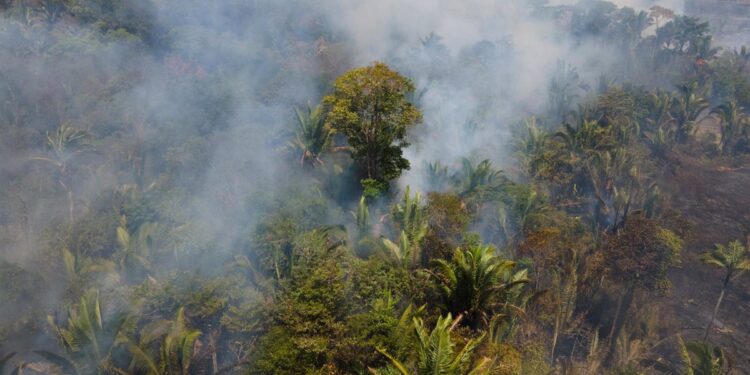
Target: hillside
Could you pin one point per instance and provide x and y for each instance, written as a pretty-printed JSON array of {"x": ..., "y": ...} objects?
[{"x": 374, "y": 187}]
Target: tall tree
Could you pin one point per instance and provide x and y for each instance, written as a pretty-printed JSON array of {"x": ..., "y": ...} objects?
[
  {"x": 687, "y": 106},
  {"x": 312, "y": 137},
  {"x": 65, "y": 144},
  {"x": 531, "y": 148},
  {"x": 734, "y": 124},
  {"x": 734, "y": 261},
  {"x": 369, "y": 106},
  {"x": 638, "y": 257}
]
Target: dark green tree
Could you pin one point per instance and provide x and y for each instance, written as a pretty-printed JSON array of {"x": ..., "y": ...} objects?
[{"x": 476, "y": 283}]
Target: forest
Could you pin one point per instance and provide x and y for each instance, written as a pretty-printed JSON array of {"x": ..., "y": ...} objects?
[{"x": 372, "y": 187}]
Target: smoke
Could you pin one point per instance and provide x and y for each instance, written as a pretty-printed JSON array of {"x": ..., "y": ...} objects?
[
  {"x": 675, "y": 5},
  {"x": 194, "y": 99},
  {"x": 480, "y": 67}
]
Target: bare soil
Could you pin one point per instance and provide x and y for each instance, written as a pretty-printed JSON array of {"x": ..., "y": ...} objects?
[{"x": 715, "y": 198}]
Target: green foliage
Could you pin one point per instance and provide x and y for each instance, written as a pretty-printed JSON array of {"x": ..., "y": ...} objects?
[
  {"x": 313, "y": 137},
  {"x": 686, "y": 107},
  {"x": 114, "y": 132},
  {"x": 176, "y": 344},
  {"x": 369, "y": 106},
  {"x": 362, "y": 215},
  {"x": 642, "y": 253},
  {"x": 437, "y": 176},
  {"x": 522, "y": 211},
  {"x": 87, "y": 339},
  {"x": 686, "y": 35},
  {"x": 287, "y": 214},
  {"x": 564, "y": 91},
  {"x": 477, "y": 283},
  {"x": 448, "y": 220},
  {"x": 506, "y": 359},
  {"x": 384, "y": 326},
  {"x": 733, "y": 258},
  {"x": 437, "y": 352},
  {"x": 245, "y": 317},
  {"x": 310, "y": 312},
  {"x": 204, "y": 299},
  {"x": 373, "y": 189},
  {"x": 532, "y": 149},
  {"x": 734, "y": 127},
  {"x": 91, "y": 235},
  {"x": 81, "y": 271},
  {"x": 408, "y": 217},
  {"x": 700, "y": 358},
  {"x": 136, "y": 249},
  {"x": 534, "y": 360},
  {"x": 402, "y": 253},
  {"x": 375, "y": 277},
  {"x": 729, "y": 79},
  {"x": 477, "y": 182}
]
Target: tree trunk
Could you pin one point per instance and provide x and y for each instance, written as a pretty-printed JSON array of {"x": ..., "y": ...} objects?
[
  {"x": 214, "y": 356},
  {"x": 716, "y": 309},
  {"x": 554, "y": 339},
  {"x": 71, "y": 206},
  {"x": 622, "y": 308},
  {"x": 617, "y": 314}
]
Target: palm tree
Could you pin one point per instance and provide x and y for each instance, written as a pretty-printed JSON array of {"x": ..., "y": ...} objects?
[
  {"x": 402, "y": 253},
  {"x": 658, "y": 106},
  {"x": 661, "y": 141},
  {"x": 87, "y": 340},
  {"x": 686, "y": 107},
  {"x": 436, "y": 352},
  {"x": 312, "y": 137},
  {"x": 734, "y": 124},
  {"x": 437, "y": 175},
  {"x": 565, "y": 279},
  {"x": 700, "y": 358},
  {"x": 583, "y": 140},
  {"x": 476, "y": 180},
  {"x": 531, "y": 148},
  {"x": 476, "y": 283},
  {"x": 176, "y": 350},
  {"x": 591, "y": 156},
  {"x": 81, "y": 270},
  {"x": 564, "y": 90},
  {"x": 65, "y": 144},
  {"x": 410, "y": 216},
  {"x": 135, "y": 248},
  {"x": 362, "y": 215},
  {"x": 733, "y": 259},
  {"x": 527, "y": 207}
]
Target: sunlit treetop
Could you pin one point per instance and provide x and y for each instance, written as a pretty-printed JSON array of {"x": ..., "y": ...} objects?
[{"x": 370, "y": 106}]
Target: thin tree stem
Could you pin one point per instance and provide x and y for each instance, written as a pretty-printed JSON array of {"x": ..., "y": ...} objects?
[{"x": 716, "y": 310}]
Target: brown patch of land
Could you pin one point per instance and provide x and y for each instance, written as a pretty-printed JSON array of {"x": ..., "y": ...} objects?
[{"x": 715, "y": 198}]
